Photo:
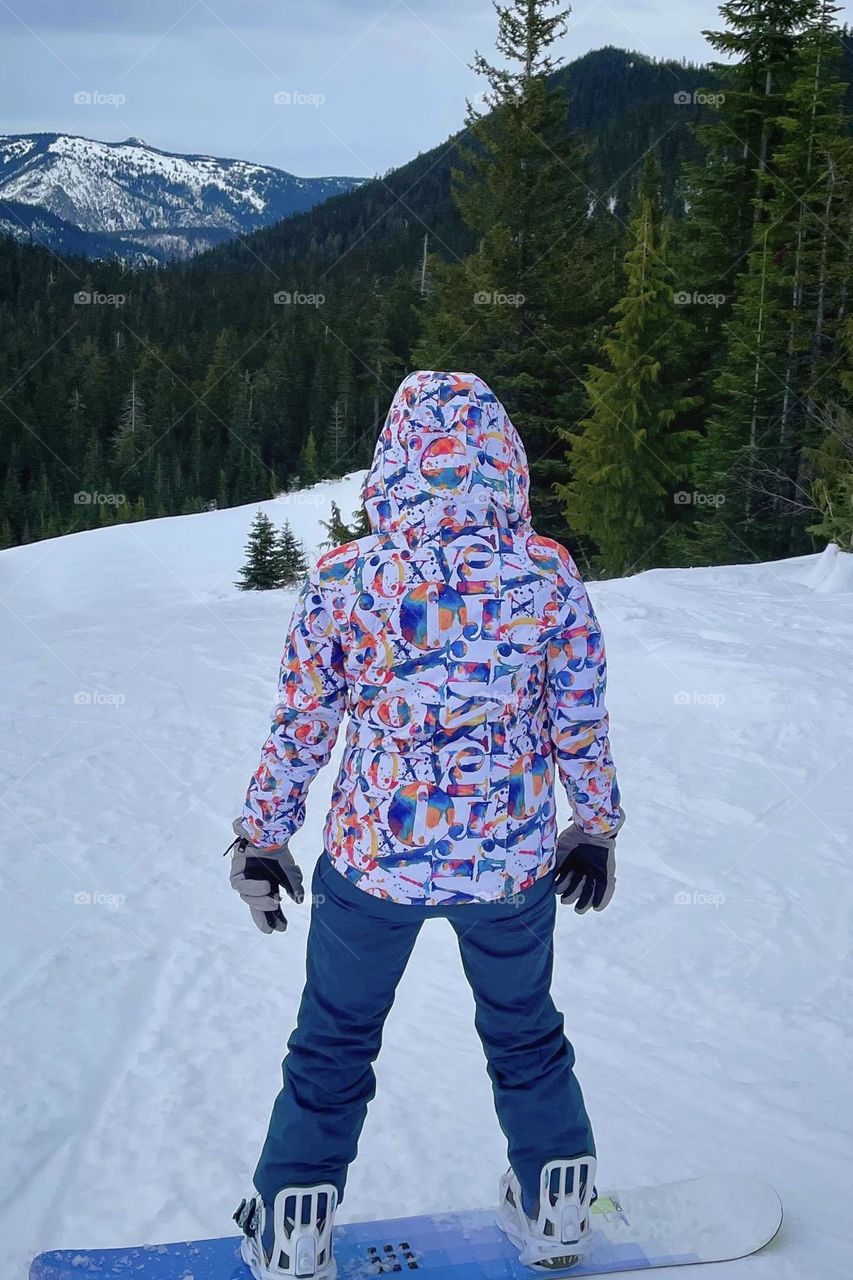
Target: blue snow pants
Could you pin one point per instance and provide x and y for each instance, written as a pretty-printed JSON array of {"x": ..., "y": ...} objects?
[{"x": 358, "y": 947}]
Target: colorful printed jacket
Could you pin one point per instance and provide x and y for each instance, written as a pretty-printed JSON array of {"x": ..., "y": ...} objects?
[{"x": 465, "y": 650}]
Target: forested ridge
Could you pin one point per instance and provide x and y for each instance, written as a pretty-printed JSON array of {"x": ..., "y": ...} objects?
[{"x": 649, "y": 261}]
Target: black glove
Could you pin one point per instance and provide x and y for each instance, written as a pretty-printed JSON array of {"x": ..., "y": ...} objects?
[
  {"x": 585, "y": 869},
  {"x": 259, "y": 875}
]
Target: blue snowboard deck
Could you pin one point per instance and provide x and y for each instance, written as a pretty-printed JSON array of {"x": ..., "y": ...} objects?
[{"x": 704, "y": 1220}]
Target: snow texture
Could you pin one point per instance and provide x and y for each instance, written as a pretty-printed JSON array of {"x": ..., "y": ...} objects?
[{"x": 143, "y": 1016}]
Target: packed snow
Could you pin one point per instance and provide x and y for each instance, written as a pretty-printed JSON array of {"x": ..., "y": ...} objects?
[{"x": 144, "y": 1017}]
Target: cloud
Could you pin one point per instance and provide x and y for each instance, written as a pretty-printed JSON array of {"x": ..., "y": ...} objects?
[{"x": 202, "y": 75}]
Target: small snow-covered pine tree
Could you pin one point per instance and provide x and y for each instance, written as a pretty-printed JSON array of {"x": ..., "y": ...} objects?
[
  {"x": 292, "y": 565},
  {"x": 261, "y": 569}
]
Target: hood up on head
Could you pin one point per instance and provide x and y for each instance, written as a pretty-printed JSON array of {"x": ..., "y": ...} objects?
[{"x": 447, "y": 452}]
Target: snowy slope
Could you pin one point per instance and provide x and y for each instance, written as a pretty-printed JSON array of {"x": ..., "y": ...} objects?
[
  {"x": 130, "y": 186},
  {"x": 142, "y": 1024}
]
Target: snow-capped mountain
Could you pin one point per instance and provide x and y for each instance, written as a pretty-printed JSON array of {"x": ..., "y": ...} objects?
[{"x": 167, "y": 205}]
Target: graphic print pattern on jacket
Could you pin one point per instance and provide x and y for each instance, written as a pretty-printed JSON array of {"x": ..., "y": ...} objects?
[{"x": 467, "y": 654}]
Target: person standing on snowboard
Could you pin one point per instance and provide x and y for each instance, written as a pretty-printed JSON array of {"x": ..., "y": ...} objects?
[{"x": 463, "y": 647}]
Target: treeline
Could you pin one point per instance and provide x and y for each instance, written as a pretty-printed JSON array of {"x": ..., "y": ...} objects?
[
  {"x": 704, "y": 415},
  {"x": 648, "y": 261}
]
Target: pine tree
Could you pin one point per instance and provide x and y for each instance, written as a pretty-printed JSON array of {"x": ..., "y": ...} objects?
[
  {"x": 726, "y": 190},
  {"x": 131, "y": 436},
  {"x": 214, "y": 413},
  {"x": 782, "y": 341},
  {"x": 290, "y": 557},
  {"x": 813, "y": 169},
  {"x": 829, "y": 464},
  {"x": 831, "y": 486},
  {"x": 361, "y": 523},
  {"x": 633, "y": 448},
  {"x": 337, "y": 435},
  {"x": 261, "y": 570},
  {"x": 309, "y": 464},
  {"x": 244, "y": 462},
  {"x": 339, "y": 532},
  {"x": 14, "y": 504},
  {"x": 514, "y": 310}
]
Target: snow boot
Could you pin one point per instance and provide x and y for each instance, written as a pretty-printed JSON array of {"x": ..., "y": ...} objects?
[
  {"x": 558, "y": 1236},
  {"x": 297, "y": 1243}
]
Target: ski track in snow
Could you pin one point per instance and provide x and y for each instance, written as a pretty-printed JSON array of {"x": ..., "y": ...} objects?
[{"x": 140, "y": 1036}]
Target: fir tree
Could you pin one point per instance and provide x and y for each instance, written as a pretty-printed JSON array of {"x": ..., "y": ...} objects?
[
  {"x": 261, "y": 570},
  {"x": 725, "y": 191},
  {"x": 131, "y": 436},
  {"x": 513, "y": 311},
  {"x": 781, "y": 357},
  {"x": 309, "y": 464},
  {"x": 633, "y": 449},
  {"x": 337, "y": 435},
  {"x": 14, "y": 504},
  {"x": 361, "y": 523},
  {"x": 339, "y": 532},
  {"x": 292, "y": 565},
  {"x": 831, "y": 485}
]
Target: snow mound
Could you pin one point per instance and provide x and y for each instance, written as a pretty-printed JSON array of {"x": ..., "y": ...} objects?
[{"x": 832, "y": 570}]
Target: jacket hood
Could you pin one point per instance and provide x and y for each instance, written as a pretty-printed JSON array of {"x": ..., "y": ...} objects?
[{"x": 447, "y": 452}]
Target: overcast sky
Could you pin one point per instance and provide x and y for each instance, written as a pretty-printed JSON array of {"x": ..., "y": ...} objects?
[{"x": 371, "y": 82}]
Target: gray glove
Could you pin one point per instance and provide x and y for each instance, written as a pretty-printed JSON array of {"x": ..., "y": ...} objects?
[
  {"x": 585, "y": 869},
  {"x": 259, "y": 875}
]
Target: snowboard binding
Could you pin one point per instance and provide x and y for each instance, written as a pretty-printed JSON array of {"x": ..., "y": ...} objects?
[
  {"x": 299, "y": 1246},
  {"x": 556, "y": 1239}
]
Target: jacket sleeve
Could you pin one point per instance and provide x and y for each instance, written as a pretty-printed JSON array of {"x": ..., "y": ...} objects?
[
  {"x": 576, "y": 684},
  {"x": 305, "y": 721}
]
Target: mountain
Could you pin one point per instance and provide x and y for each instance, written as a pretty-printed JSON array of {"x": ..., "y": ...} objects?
[
  {"x": 709, "y": 1004},
  {"x": 621, "y": 105},
  {"x": 219, "y": 355},
  {"x": 158, "y": 204},
  {"x": 33, "y": 224}
]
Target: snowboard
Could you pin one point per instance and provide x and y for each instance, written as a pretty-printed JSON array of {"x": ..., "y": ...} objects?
[{"x": 711, "y": 1219}]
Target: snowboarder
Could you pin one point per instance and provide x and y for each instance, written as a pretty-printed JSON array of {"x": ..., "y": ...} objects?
[{"x": 464, "y": 649}]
